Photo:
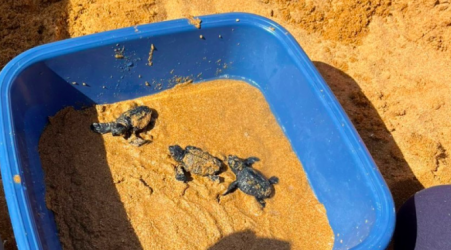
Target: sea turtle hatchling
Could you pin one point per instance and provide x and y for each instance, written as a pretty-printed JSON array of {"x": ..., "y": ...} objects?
[
  {"x": 249, "y": 180},
  {"x": 196, "y": 161},
  {"x": 128, "y": 125}
]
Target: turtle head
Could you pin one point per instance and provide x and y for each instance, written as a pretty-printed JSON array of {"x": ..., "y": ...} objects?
[
  {"x": 177, "y": 152},
  {"x": 118, "y": 129},
  {"x": 235, "y": 163}
]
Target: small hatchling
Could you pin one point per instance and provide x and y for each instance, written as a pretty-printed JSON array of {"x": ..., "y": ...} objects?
[
  {"x": 196, "y": 161},
  {"x": 128, "y": 125},
  {"x": 249, "y": 180}
]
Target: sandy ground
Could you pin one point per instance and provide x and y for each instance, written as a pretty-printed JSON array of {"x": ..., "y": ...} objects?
[
  {"x": 108, "y": 194},
  {"x": 387, "y": 62}
]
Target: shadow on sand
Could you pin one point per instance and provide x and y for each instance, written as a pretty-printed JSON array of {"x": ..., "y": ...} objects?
[{"x": 247, "y": 240}]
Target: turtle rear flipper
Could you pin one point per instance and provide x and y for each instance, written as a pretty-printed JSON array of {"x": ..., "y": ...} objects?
[
  {"x": 261, "y": 201},
  {"x": 273, "y": 180},
  {"x": 180, "y": 174},
  {"x": 102, "y": 128}
]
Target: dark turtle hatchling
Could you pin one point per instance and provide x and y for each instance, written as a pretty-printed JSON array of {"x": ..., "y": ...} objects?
[
  {"x": 196, "y": 161},
  {"x": 249, "y": 180},
  {"x": 128, "y": 125}
]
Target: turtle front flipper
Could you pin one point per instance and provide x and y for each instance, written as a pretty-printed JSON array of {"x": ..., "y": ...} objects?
[
  {"x": 180, "y": 174},
  {"x": 215, "y": 178},
  {"x": 137, "y": 141},
  {"x": 232, "y": 187},
  {"x": 251, "y": 160},
  {"x": 102, "y": 128}
]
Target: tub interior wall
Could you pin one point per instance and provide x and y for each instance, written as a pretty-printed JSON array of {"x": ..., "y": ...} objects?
[{"x": 238, "y": 52}]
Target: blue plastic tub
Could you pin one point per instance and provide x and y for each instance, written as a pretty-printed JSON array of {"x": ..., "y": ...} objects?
[{"x": 37, "y": 84}]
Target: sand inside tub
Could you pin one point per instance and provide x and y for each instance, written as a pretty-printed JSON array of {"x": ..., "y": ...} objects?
[{"x": 108, "y": 194}]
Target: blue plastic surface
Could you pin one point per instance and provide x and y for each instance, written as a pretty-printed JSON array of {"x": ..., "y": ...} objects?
[{"x": 37, "y": 84}]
